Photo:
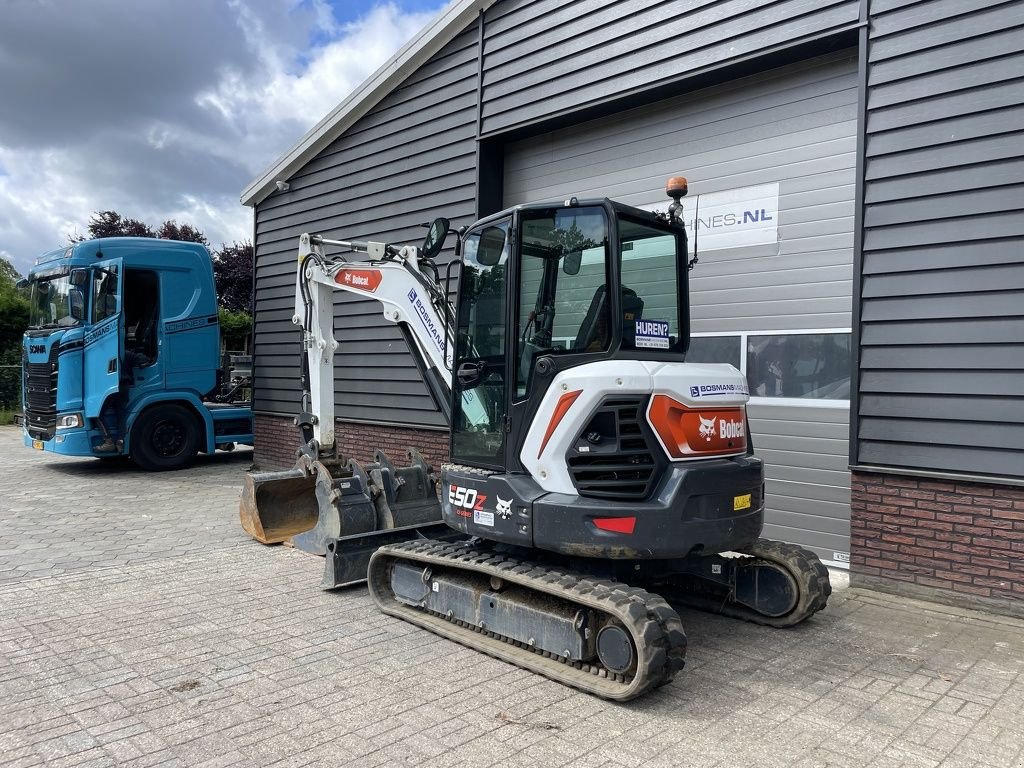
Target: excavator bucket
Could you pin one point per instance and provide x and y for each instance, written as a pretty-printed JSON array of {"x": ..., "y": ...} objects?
[
  {"x": 277, "y": 505},
  {"x": 321, "y": 506}
]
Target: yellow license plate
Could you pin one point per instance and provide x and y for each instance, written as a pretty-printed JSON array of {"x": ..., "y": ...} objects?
[
  {"x": 741, "y": 502},
  {"x": 37, "y": 444}
]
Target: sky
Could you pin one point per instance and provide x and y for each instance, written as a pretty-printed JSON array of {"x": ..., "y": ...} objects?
[{"x": 167, "y": 110}]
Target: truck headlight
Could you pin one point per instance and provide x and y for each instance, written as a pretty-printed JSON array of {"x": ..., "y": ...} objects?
[{"x": 71, "y": 421}]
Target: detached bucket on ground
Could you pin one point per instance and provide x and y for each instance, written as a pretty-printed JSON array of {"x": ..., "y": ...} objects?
[{"x": 276, "y": 506}]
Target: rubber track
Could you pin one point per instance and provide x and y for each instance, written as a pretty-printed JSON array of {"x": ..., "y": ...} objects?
[
  {"x": 803, "y": 566},
  {"x": 654, "y": 625}
]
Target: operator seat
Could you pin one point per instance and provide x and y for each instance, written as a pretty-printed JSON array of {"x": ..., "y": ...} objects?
[{"x": 594, "y": 332}]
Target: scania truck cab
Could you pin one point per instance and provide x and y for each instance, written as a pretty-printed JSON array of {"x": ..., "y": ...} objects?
[{"x": 122, "y": 356}]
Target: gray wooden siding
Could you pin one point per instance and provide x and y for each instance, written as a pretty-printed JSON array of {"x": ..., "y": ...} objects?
[
  {"x": 408, "y": 160},
  {"x": 545, "y": 57},
  {"x": 796, "y": 126},
  {"x": 942, "y": 319}
]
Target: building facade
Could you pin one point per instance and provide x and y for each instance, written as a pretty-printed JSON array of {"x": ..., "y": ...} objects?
[{"x": 857, "y": 206}]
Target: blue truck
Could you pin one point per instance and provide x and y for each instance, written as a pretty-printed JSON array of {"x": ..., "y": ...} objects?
[{"x": 122, "y": 356}]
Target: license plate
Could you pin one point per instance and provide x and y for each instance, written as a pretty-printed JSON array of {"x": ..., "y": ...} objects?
[
  {"x": 37, "y": 444},
  {"x": 741, "y": 502}
]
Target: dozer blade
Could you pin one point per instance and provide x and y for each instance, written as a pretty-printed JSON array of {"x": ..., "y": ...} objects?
[
  {"x": 276, "y": 506},
  {"x": 348, "y": 557}
]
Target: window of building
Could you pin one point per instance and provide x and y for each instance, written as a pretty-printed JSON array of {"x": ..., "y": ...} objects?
[
  {"x": 716, "y": 349},
  {"x": 813, "y": 366},
  {"x": 793, "y": 365}
]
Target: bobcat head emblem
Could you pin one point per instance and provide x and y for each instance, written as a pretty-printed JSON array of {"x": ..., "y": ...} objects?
[
  {"x": 707, "y": 427},
  {"x": 504, "y": 508}
]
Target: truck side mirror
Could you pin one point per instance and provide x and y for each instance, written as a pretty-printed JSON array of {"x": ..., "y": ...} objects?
[
  {"x": 76, "y": 302},
  {"x": 79, "y": 278},
  {"x": 571, "y": 262}
]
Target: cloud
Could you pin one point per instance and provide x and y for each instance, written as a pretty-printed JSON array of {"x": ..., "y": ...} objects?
[{"x": 166, "y": 110}]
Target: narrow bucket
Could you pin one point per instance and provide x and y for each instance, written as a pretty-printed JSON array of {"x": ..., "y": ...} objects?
[{"x": 276, "y": 506}]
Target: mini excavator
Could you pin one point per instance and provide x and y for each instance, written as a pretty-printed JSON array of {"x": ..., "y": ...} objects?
[{"x": 596, "y": 478}]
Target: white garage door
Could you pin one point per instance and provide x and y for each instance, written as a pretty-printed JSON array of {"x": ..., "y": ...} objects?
[{"x": 771, "y": 164}]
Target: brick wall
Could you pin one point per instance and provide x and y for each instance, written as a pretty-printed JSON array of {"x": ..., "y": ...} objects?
[
  {"x": 277, "y": 439},
  {"x": 958, "y": 543}
]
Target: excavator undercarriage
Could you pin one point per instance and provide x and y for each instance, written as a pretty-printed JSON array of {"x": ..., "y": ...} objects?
[{"x": 601, "y": 635}]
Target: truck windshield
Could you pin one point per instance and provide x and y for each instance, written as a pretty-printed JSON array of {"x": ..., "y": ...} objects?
[{"x": 55, "y": 303}]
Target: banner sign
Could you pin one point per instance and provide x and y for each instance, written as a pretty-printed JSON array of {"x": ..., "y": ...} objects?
[{"x": 733, "y": 218}]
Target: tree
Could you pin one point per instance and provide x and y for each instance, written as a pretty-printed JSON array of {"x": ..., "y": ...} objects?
[
  {"x": 112, "y": 224},
  {"x": 170, "y": 230},
  {"x": 8, "y": 272},
  {"x": 13, "y": 314},
  {"x": 232, "y": 271}
]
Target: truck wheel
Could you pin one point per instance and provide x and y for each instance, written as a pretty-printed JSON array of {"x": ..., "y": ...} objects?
[{"x": 165, "y": 437}]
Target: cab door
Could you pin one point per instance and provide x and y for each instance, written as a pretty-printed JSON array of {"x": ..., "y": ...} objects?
[
  {"x": 103, "y": 342},
  {"x": 479, "y": 383}
]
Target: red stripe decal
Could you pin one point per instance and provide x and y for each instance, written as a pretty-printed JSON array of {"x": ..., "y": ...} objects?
[{"x": 561, "y": 408}]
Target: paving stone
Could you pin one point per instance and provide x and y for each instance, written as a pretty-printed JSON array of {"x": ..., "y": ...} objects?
[{"x": 140, "y": 627}]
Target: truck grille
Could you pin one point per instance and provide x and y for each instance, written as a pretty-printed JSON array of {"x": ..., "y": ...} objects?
[
  {"x": 41, "y": 397},
  {"x": 618, "y": 462}
]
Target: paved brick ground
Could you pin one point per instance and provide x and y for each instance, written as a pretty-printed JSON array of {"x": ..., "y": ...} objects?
[{"x": 139, "y": 628}]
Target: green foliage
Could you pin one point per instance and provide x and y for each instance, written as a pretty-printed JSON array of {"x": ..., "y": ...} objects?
[
  {"x": 13, "y": 322},
  {"x": 235, "y": 328},
  {"x": 8, "y": 272},
  {"x": 13, "y": 315}
]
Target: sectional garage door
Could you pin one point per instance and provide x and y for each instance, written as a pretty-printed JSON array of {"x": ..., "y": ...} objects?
[{"x": 771, "y": 163}]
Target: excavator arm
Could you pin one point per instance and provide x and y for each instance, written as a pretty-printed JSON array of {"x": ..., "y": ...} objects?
[
  {"x": 407, "y": 286},
  {"x": 329, "y": 504}
]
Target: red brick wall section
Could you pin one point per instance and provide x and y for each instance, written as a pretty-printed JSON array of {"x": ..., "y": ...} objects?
[
  {"x": 277, "y": 439},
  {"x": 956, "y": 542}
]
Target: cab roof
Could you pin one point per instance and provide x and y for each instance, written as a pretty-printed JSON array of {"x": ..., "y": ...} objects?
[
  {"x": 88, "y": 251},
  {"x": 572, "y": 202}
]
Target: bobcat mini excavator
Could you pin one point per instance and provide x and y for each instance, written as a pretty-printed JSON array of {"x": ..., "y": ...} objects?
[{"x": 596, "y": 477}]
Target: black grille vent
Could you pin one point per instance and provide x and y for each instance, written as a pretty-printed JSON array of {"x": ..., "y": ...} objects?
[
  {"x": 41, "y": 397},
  {"x": 612, "y": 458}
]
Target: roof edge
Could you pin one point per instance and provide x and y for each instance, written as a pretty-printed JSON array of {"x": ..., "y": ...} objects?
[{"x": 438, "y": 33}]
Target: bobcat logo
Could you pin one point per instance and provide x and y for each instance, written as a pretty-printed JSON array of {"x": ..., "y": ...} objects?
[
  {"x": 504, "y": 508},
  {"x": 707, "y": 427}
]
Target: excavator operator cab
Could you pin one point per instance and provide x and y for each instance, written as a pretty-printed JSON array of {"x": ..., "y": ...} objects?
[{"x": 549, "y": 287}]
